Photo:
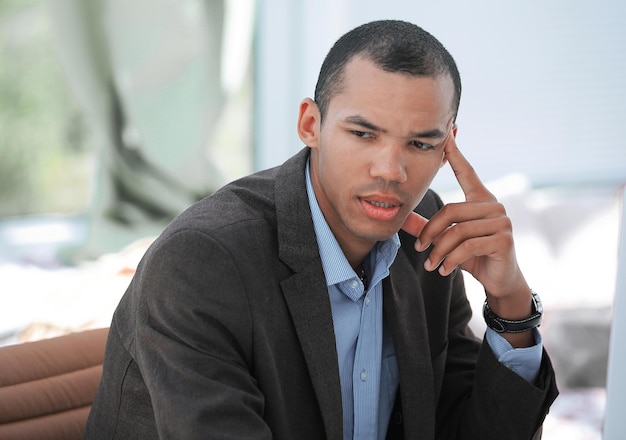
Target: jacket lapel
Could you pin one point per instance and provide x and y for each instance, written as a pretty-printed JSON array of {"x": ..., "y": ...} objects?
[
  {"x": 406, "y": 317},
  {"x": 305, "y": 290}
]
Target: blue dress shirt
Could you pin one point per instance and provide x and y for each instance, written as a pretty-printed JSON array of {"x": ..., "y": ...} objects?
[{"x": 368, "y": 368}]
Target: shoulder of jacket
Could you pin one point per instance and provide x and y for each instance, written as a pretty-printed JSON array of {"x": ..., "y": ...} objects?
[{"x": 430, "y": 204}]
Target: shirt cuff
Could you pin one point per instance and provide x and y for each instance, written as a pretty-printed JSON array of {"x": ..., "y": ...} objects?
[{"x": 524, "y": 361}]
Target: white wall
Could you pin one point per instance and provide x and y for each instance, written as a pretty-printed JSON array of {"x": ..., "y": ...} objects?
[
  {"x": 544, "y": 82},
  {"x": 615, "y": 422}
]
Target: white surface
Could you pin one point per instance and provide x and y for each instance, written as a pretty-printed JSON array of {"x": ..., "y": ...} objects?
[{"x": 615, "y": 423}]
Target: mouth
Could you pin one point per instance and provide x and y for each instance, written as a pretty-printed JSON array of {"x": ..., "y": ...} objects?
[
  {"x": 381, "y": 208},
  {"x": 380, "y": 204}
]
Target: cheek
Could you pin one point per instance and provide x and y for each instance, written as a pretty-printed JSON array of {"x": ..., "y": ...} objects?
[
  {"x": 333, "y": 172},
  {"x": 427, "y": 169},
  {"x": 339, "y": 165},
  {"x": 422, "y": 175}
]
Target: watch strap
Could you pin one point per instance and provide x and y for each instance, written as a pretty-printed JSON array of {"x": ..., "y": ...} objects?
[{"x": 501, "y": 325}]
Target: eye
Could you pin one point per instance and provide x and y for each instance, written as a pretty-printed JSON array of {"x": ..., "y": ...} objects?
[
  {"x": 421, "y": 145},
  {"x": 362, "y": 134}
]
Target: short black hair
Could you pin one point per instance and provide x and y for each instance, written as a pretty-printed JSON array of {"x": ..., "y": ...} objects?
[{"x": 394, "y": 46}]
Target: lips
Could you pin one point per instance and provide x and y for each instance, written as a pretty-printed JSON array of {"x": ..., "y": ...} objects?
[{"x": 381, "y": 208}]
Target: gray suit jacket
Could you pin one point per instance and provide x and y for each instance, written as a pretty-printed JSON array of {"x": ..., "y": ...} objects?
[{"x": 226, "y": 332}]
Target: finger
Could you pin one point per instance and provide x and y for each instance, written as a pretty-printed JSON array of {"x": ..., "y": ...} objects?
[
  {"x": 458, "y": 214},
  {"x": 475, "y": 247},
  {"x": 474, "y": 250},
  {"x": 456, "y": 243},
  {"x": 414, "y": 224},
  {"x": 472, "y": 186},
  {"x": 460, "y": 255}
]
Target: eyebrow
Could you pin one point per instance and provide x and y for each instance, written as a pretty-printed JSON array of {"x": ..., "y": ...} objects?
[{"x": 435, "y": 133}]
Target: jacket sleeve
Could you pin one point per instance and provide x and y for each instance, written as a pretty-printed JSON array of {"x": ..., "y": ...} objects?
[
  {"x": 193, "y": 342},
  {"x": 478, "y": 397}
]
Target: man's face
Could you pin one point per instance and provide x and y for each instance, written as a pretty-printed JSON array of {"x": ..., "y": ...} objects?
[{"x": 378, "y": 149}]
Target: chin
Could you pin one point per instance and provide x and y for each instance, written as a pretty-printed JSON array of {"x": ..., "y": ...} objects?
[{"x": 378, "y": 235}]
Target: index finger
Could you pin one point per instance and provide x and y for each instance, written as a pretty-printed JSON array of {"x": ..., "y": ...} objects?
[{"x": 472, "y": 186}]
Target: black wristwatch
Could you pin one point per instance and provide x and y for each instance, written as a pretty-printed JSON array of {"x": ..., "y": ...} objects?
[{"x": 501, "y": 325}]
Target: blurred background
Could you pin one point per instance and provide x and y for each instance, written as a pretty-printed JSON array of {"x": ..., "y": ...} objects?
[{"x": 116, "y": 115}]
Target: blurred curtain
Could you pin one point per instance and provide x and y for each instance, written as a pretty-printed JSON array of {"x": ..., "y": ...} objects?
[{"x": 147, "y": 75}]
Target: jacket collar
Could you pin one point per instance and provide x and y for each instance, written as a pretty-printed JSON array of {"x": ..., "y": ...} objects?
[{"x": 305, "y": 290}]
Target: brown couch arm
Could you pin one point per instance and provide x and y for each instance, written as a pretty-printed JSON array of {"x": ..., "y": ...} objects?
[{"x": 46, "y": 387}]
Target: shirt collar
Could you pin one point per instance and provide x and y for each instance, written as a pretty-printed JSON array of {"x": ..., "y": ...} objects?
[{"x": 335, "y": 264}]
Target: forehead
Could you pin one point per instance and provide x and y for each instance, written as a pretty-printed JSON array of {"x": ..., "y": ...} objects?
[{"x": 373, "y": 92}]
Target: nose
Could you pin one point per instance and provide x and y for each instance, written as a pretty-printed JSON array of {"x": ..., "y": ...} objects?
[{"x": 389, "y": 164}]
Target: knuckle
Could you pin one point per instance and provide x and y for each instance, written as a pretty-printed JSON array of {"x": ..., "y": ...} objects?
[
  {"x": 468, "y": 247},
  {"x": 496, "y": 210},
  {"x": 504, "y": 239},
  {"x": 504, "y": 223},
  {"x": 462, "y": 229}
]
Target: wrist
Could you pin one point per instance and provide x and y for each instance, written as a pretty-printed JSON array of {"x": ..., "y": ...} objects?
[
  {"x": 514, "y": 303},
  {"x": 524, "y": 315}
]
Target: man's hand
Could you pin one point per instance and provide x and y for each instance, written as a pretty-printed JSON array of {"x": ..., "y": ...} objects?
[{"x": 477, "y": 236}]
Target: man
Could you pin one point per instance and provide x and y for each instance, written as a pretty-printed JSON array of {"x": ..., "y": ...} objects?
[{"x": 291, "y": 305}]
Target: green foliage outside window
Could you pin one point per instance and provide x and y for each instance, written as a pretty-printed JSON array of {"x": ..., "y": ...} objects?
[{"x": 45, "y": 151}]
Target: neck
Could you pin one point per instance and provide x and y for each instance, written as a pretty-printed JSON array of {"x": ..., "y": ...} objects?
[{"x": 357, "y": 258}]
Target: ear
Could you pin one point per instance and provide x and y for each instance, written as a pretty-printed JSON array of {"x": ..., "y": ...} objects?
[{"x": 309, "y": 123}]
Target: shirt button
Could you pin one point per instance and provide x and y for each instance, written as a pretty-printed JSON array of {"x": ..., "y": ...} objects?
[
  {"x": 367, "y": 300},
  {"x": 354, "y": 284},
  {"x": 363, "y": 375}
]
